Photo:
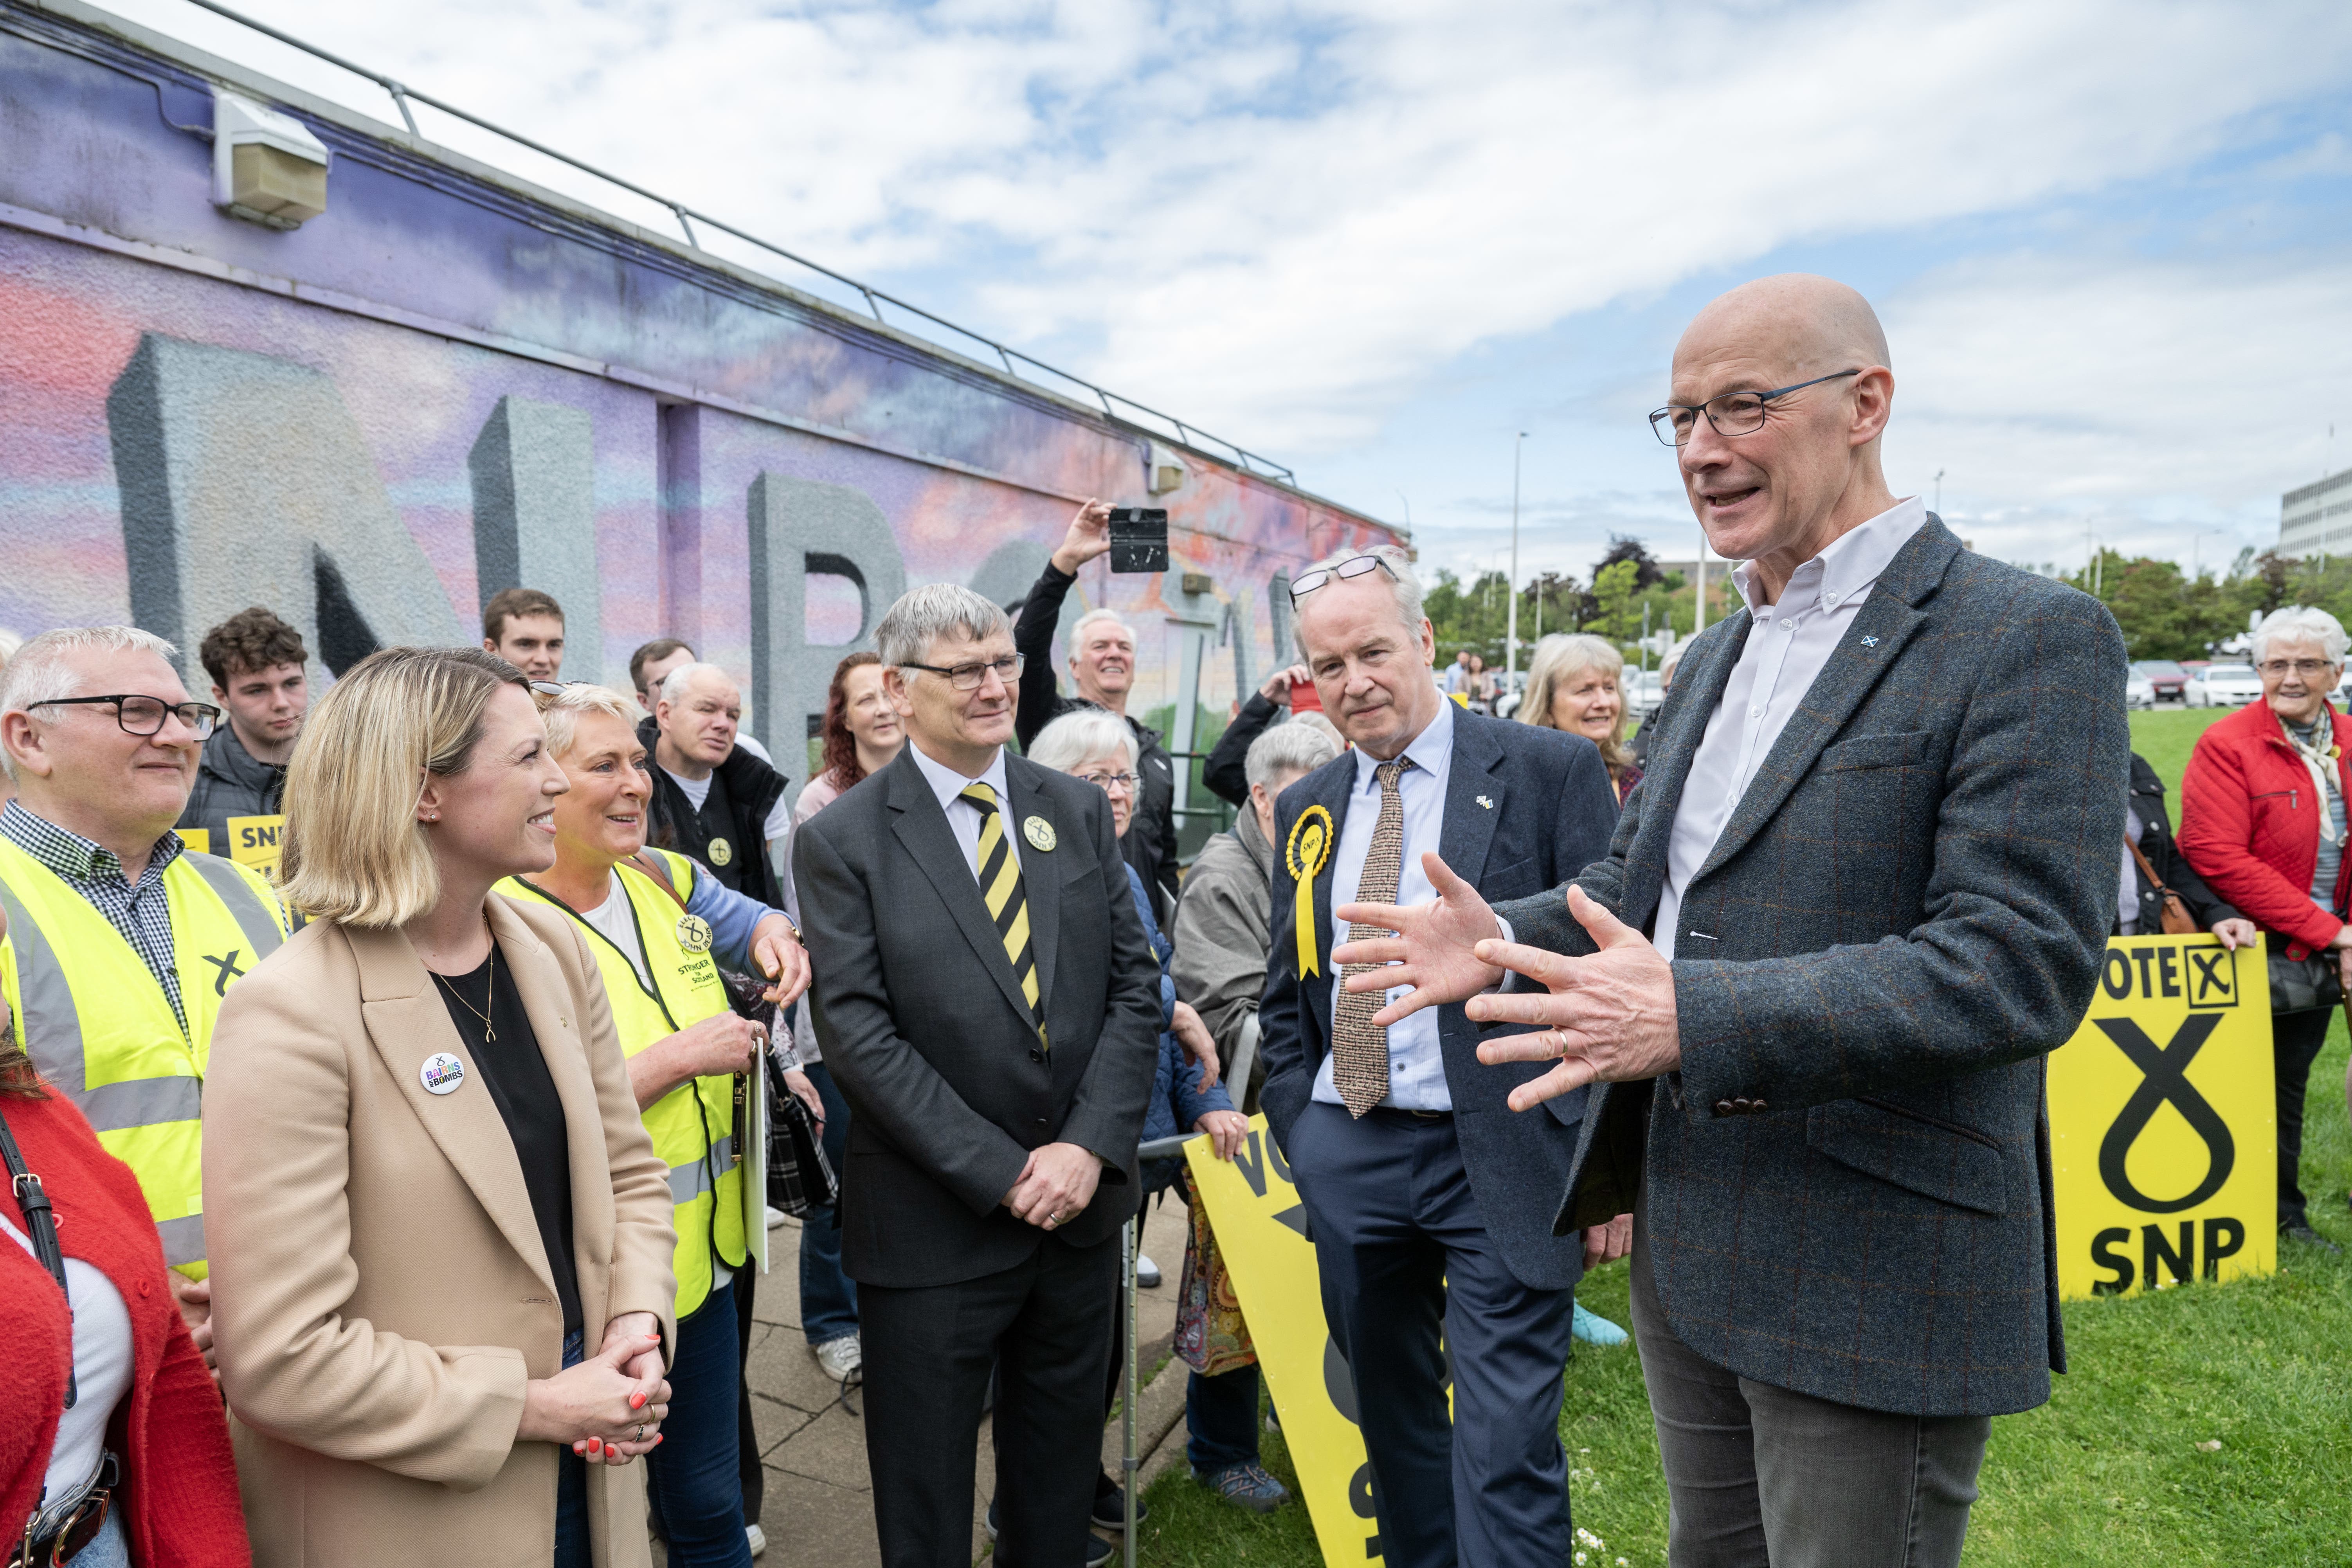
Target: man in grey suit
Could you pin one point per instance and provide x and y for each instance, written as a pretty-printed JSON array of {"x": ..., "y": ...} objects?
[
  {"x": 1411, "y": 1168},
  {"x": 990, "y": 1009},
  {"x": 1864, "y": 887}
]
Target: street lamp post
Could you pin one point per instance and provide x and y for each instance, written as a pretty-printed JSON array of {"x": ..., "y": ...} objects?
[{"x": 1511, "y": 624}]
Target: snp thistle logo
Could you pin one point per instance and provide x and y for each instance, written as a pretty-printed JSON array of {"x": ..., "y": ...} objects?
[{"x": 694, "y": 933}]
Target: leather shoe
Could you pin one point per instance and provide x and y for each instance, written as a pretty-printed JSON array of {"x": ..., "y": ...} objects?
[{"x": 2308, "y": 1236}]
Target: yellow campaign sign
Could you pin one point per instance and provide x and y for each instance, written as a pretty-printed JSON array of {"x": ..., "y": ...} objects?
[
  {"x": 1262, "y": 1230},
  {"x": 198, "y": 840},
  {"x": 257, "y": 842},
  {"x": 2162, "y": 1123}
]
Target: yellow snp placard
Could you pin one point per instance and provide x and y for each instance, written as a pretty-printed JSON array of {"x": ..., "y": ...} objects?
[
  {"x": 196, "y": 840},
  {"x": 2162, "y": 1122},
  {"x": 1262, "y": 1229},
  {"x": 257, "y": 842}
]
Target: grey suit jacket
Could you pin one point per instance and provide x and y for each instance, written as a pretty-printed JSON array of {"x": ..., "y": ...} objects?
[
  {"x": 1524, "y": 809},
  {"x": 925, "y": 1030},
  {"x": 1848, "y": 1181}
]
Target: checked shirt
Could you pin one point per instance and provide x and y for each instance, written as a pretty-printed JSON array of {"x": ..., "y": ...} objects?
[{"x": 141, "y": 912}]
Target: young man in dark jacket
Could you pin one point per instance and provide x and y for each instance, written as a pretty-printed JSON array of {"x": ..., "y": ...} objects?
[
  {"x": 1102, "y": 665},
  {"x": 255, "y": 662}
]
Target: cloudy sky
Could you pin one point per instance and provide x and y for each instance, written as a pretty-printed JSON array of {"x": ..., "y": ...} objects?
[{"x": 1375, "y": 241}]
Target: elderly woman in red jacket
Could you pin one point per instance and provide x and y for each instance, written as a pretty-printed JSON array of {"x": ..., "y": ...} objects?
[
  {"x": 113, "y": 1449},
  {"x": 2263, "y": 821}
]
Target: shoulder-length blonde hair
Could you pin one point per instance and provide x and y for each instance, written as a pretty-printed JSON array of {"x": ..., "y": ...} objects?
[
  {"x": 1559, "y": 660},
  {"x": 355, "y": 853}
]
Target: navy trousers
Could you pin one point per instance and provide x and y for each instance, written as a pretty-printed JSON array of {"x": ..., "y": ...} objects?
[
  {"x": 1406, "y": 1261},
  {"x": 694, "y": 1480}
]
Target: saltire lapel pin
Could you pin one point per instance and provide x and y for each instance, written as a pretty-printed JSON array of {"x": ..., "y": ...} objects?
[{"x": 1870, "y": 642}]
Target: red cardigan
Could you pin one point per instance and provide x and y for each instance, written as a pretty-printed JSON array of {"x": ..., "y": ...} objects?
[
  {"x": 2250, "y": 826},
  {"x": 179, "y": 1503}
]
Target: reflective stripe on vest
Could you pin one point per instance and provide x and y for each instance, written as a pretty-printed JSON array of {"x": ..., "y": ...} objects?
[
  {"x": 693, "y": 1125},
  {"x": 98, "y": 1026}
]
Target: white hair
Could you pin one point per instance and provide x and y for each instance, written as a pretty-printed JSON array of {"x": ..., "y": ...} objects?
[
  {"x": 2301, "y": 623},
  {"x": 563, "y": 712},
  {"x": 42, "y": 668},
  {"x": 1286, "y": 749},
  {"x": 923, "y": 615},
  {"x": 1078, "y": 628},
  {"x": 1075, "y": 739},
  {"x": 673, "y": 684},
  {"x": 1401, "y": 581}
]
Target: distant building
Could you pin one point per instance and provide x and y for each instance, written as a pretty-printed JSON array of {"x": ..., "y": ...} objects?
[{"x": 2317, "y": 519}]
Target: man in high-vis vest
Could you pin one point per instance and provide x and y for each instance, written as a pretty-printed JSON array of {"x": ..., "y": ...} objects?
[
  {"x": 659, "y": 926},
  {"x": 121, "y": 942}
]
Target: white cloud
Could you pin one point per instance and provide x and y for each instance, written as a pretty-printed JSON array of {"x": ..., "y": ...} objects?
[{"x": 1277, "y": 219}]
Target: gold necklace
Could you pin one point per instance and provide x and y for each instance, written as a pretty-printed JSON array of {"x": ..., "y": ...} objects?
[{"x": 490, "y": 1000}]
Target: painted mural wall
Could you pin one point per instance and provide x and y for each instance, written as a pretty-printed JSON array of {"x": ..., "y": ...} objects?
[{"x": 451, "y": 382}]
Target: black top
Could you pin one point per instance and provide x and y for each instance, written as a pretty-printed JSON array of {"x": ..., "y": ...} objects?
[
  {"x": 743, "y": 790},
  {"x": 524, "y": 1092},
  {"x": 1150, "y": 843}
]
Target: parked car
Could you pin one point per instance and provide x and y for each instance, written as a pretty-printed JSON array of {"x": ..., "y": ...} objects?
[
  {"x": 2168, "y": 680},
  {"x": 2138, "y": 690},
  {"x": 2223, "y": 686},
  {"x": 1646, "y": 693}
]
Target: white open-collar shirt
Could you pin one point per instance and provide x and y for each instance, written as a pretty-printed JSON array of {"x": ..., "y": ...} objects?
[{"x": 1787, "y": 648}]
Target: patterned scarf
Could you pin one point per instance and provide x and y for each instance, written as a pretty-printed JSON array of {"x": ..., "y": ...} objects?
[{"x": 2319, "y": 757}]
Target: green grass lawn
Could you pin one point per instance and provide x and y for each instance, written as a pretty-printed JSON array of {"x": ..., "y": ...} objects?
[{"x": 2109, "y": 1472}]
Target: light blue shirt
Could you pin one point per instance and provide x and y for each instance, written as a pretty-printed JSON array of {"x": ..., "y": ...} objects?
[
  {"x": 964, "y": 817},
  {"x": 1416, "y": 1064}
]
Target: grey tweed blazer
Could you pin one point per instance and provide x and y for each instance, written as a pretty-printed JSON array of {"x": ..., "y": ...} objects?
[{"x": 1847, "y": 1184}]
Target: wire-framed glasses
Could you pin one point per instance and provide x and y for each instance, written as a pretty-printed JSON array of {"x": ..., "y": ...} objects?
[
  {"x": 1112, "y": 783},
  {"x": 140, "y": 715},
  {"x": 1730, "y": 413},
  {"x": 1354, "y": 566},
  {"x": 968, "y": 676}
]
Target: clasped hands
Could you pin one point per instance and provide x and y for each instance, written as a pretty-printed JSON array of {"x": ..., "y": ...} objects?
[
  {"x": 610, "y": 1407},
  {"x": 1607, "y": 1018},
  {"x": 1057, "y": 1183}
]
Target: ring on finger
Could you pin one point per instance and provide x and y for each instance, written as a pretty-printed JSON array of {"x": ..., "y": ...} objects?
[{"x": 641, "y": 1433}]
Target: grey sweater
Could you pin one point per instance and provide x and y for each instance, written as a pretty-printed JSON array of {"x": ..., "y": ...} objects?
[{"x": 1222, "y": 933}]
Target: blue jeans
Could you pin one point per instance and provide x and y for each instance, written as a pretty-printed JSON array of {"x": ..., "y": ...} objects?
[
  {"x": 695, "y": 1478},
  {"x": 572, "y": 1545},
  {"x": 828, "y": 1297},
  {"x": 1221, "y": 1419}
]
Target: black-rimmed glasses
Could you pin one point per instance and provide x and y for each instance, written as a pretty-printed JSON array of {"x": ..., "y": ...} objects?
[
  {"x": 1354, "y": 566},
  {"x": 140, "y": 715},
  {"x": 968, "y": 676},
  {"x": 1730, "y": 413}
]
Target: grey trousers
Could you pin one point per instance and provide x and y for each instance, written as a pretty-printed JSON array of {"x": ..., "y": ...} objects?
[{"x": 1759, "y": 1476}]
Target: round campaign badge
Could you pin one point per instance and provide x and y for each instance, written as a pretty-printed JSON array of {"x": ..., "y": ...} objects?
[
  {"x": 442, "y": 1073},
  {"x": 694, "y": 933},
  {"x": 721, "y": 852},
  {"x": 1039, "y": 832}
]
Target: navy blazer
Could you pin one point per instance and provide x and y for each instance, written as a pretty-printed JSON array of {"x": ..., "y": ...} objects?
[{"x": 1548, "y": 813}]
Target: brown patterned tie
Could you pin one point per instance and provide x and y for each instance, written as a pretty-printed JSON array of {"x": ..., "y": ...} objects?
[{"x": 1360, "y": 1048}]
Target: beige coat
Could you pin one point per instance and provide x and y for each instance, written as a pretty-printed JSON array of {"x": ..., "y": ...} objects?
[{"x": 380, "y": 1293}]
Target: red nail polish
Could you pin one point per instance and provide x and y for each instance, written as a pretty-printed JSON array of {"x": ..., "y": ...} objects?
[{"x": 636, "y": 1401}]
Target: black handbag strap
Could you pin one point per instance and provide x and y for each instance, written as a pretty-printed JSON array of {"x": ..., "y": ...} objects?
[{"x": 40, "y": 1224}]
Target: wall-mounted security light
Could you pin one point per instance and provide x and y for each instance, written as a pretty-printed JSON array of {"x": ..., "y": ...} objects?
[
  {"x": 1163, "y": 469},
  {"x": 267, "y": 167}
]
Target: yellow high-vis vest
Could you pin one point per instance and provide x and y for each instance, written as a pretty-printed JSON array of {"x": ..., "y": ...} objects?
[
  {"x": 98, "y": 1026},
  {"x": 692, "y": 1126}
]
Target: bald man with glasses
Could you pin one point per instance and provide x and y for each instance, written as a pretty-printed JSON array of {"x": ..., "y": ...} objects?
[{"x": 1865, "y": 887}]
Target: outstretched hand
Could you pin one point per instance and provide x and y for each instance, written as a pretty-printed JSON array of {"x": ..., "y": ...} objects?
[
  {"x": 1609, "y": 1018},
  {"x": 1087, "y": 537},
  {"x": 1434, "y": 950}
]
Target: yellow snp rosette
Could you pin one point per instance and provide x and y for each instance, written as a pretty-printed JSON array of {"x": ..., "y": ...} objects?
[{"x": 1306, "y": 855}]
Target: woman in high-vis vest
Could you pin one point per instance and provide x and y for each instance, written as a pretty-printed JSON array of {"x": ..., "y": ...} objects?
[
  {"x": 440, "y": 1237},
  {"x": 659, "y": 928}
]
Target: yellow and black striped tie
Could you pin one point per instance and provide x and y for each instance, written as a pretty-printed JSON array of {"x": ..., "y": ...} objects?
[{"x": 999, "y": 890}]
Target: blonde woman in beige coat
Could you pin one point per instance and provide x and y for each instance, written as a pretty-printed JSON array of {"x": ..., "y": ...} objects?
[{"x": 440, "y": 1239}]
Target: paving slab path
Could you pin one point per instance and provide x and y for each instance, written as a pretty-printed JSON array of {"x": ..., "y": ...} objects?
[{"x": 819, "y": 1508}]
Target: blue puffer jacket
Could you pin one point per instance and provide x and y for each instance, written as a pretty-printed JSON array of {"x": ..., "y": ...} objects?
[{"x": 1176, "y": 1099}]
